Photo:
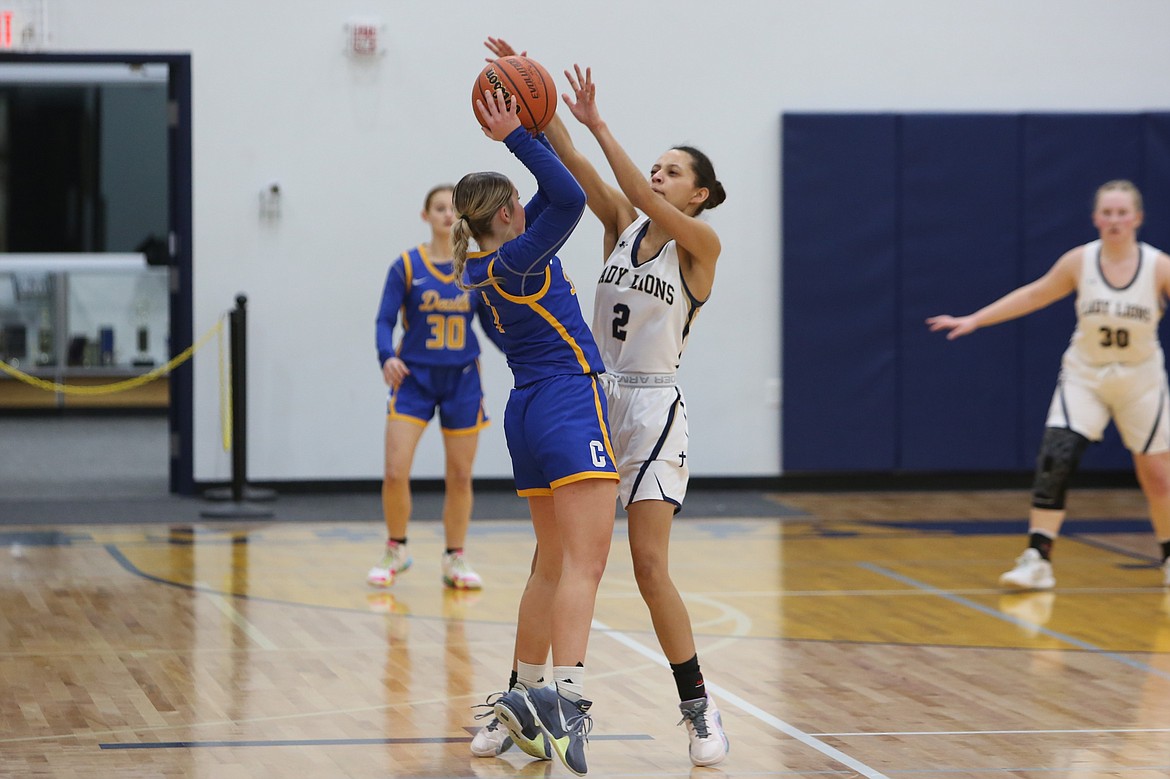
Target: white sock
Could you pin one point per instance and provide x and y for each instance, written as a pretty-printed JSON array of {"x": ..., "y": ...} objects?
[
  {"x": 530, "y": 675},
  {"x": 570, "y": 680}
]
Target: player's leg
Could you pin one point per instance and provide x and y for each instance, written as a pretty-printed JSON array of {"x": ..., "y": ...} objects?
[
  {"x": 1060, "y": 454},
  {"x": 460, "y": 450},
  {"x": 462, "y": 416},
  {"x": 1077, "y": 415},
  {"x": 1144, "y": 423},
  {"x": 401, "y": 441},
  {"x": 1153, "y": 473},
  {"x": 649, "y": 526},
  {"x": 495, "y": 737}
]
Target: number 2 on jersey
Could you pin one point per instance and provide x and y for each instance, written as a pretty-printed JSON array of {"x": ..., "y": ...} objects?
[{"x": 621, "y": 319}]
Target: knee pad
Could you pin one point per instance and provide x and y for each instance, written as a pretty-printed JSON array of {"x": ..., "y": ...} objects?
[{"x": 1060, "y": 453}]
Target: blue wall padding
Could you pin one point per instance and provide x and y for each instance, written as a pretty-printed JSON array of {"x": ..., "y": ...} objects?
[
  {"x": 840, "y": 248},
  {"x": 891, "y": 218},
  {"x": 952, "y": 408}
]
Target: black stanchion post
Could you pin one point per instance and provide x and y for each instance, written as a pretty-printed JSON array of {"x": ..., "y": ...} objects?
[
  {"x": 239, "y": 353},
  {"x": 239, "y": 492}
]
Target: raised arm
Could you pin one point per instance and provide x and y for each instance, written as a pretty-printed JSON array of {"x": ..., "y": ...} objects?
[
  {"x": 694, "y": 236},
  {"x": 1058, "y": 282},
  {"x": 534, "y": 248},
  {"x": 612, "y": 208}
]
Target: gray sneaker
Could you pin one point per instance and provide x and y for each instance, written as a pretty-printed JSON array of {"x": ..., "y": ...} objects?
[
  {"x": 566, "y": 723},
  {"x": 515, "y": 712}
]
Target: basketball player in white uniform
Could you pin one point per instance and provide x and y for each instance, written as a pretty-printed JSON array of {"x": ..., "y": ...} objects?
[
  {"x": 660, "y": 268},
  {"x": 1113, "y": 369},
  {"x": 642, "y": 315}
]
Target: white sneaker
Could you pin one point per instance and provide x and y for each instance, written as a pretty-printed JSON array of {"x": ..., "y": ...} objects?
[
  {"x": 493, "y": 738},
  {"x": 1032, "y": 572},
  {"x": 395, "y": 560},
  {"x": 457, "y": 573},
  {"x": 709, "y": 743}
]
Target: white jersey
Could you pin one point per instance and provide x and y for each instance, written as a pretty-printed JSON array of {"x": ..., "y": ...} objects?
[
  {"x": 1117, "y": 324},
  {"x": 642, "y": 313}
]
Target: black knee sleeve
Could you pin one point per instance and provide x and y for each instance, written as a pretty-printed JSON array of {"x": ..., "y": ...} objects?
[{"x": 1060, "y": 453}]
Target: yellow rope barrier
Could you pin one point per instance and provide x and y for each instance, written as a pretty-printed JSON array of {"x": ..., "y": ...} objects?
[
  {"x": 117, "y": 386},
  {"x": 225, "y": 396}
]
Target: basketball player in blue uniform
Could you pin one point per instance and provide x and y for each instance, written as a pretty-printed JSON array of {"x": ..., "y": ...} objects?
[
  {"x": 1113, "y": 369},
  {"x": 555, "y": 424},
  {"x": 659, "y": 269},
  {"x": 433, "y": 366}
]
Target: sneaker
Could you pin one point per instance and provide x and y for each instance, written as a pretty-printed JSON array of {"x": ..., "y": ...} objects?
[
  {"x": 394, "y": 561},
  {"x": 492, "y": 739},
  {"x": 457, "y": 573},
  {"x": 515, "y": 712},
  {"x": 566, "y": 723},
  {"x": 709, "y": 743},
  {"x": 1032, "y": 572}
]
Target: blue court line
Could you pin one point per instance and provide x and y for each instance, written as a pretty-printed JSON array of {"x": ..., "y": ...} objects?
[
  {"x": 960, "y": 600},
  {"x": 331, "y": 742}
]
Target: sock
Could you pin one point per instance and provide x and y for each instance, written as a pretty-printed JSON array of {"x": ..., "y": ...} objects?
[
  {"x": 529, "y": 675},
  {"x": 1041, "y": 542},
  {"x": 398, "y": 540},
  {"x": 570, "y": 680},
  {"x": 454, "y": 549},
  {"x": 1165, "y": 550},
  {"x": 688, "y": 679}
]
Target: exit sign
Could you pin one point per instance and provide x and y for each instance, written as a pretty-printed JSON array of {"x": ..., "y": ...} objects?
[{"x": 24, "y": 25}]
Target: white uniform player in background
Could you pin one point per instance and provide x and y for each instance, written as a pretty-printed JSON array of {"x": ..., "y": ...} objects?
[
  {"x": 1113, "y": 369},
  {"x": 660, "y": 268}
]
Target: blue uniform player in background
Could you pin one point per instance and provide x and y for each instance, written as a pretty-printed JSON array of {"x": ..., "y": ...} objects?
[
  {"x": 434, "y": 365},
  {"x": 556, "y": 427}
]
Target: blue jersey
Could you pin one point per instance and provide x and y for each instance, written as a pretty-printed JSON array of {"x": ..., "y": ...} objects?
[
  {"x": 533, "y": 303},
  {"x": 436, "y": 314}
]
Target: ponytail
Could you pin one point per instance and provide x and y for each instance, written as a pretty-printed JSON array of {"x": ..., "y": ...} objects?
[{"x": 477, "y": 198}]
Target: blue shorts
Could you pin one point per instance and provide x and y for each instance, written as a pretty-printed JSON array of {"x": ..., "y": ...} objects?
[
  {"x": 455, "y": 391},
  {"x": 557, "y": 434}
]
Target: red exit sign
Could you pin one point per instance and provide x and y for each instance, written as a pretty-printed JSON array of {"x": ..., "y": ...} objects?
[{"x": 6, "y": 29}]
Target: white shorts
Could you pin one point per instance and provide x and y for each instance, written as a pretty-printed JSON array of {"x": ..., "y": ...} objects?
[
  {"x": 648, "y": 428},
  {"x": 1134, "y": 396}
]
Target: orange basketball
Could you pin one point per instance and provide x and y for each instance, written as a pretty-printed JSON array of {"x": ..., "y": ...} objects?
[{"x": 524, "y": 81}]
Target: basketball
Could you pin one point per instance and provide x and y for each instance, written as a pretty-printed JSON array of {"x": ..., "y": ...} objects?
[{"x": 523, "y": 80}]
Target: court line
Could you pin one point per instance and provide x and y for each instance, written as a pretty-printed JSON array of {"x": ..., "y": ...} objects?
[
  {"x": 330, "y": 742},
  {"x": 749, "y": 708},
  {"x": 997, "y": 614},
  {"x": 237, "y": 619},
  {"x": 1070, "y": 731}
]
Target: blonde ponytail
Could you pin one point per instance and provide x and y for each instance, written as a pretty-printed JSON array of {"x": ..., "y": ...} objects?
[{"x": 477, "y": 198}]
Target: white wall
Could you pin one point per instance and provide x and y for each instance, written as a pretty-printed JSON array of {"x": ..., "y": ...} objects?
[{"x": 355, "y": 145}]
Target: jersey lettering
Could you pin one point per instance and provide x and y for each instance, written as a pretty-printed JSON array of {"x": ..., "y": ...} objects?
[{"x": 433, "y": 300}]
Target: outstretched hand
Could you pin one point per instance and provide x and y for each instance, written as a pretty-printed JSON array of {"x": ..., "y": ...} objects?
[
  {"x": 955, "y": 326},
  {"x": 583, "y": 104},
  {"x": 499, "y": 119},
  {"x": 500, "y": 48}
]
